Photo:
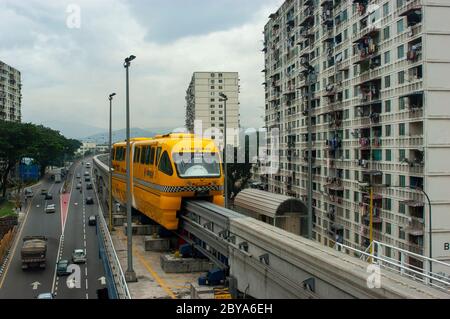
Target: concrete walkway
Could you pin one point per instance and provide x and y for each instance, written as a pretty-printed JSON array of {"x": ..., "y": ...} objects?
[{"x": 153, "y": 282}]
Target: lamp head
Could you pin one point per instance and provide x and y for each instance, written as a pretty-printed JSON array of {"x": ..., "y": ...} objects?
[
  {"x": 111, "y": 95},
  {"x": 223, "y": 96}
]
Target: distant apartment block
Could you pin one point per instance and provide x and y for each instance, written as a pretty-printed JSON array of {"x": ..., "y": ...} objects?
[
  {"x": 204, "y": 103},
  {"x": 380, "y": 117},
  {"x": 10, "y": 93}
]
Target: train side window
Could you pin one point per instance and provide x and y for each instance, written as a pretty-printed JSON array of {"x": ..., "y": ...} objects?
[
  {"x": 147, "y": 155},
  {"x": 158, "y": 154},
  {"x": 123, "y": 154},
  {"x": 137, "y": 155},
  {"x": 143, "y": 154},
  {"x": 152, "y": 156},
  {"x": 165, "y": 165},
  {"x": 113, "y": 154},
  {"x": 119, "y": 154}
]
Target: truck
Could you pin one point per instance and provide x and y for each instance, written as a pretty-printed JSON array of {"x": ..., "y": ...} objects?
[{"x": 34, "y": 251}]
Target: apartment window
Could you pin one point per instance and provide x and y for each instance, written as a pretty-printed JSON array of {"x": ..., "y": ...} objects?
[
  {"x": 388, "y": 203},
  {"x": 400, "y": 51},
  {"x": 220, "y": 106},
  {"x": 401, "y": 129},
  {"x": 401, "y": 104},
  {"x": 356, "y": 197},
  {"x": 347, "y": 134},
  {"x": 211, "y": 106},
  {"x": 220, "y": 81},
  {"x": 386, "y": 9},
  {"x": 401, "y": 233},
  {"x": 356, "y": 175},
  {"x": 401, "y": 154},
  {"x": 220, "y": 75},
  {"x": 347, "y": 234},
  {"x": 356, "y": 217},
  {"x": 213, "y": 118},
  {"x": 347, "y": 154},
  {"x": 347, "y": 195},
  {"x": 220, "y": 87},
  {"x": 388, "y": 155},
  {"x": 402, "y": 180},
  {"x": 387, "y": 106},
  {"x": 401, "y": 208},
  {"x": 213, "y": 75},
  {"x": 388, "y": 251},
  {"x": 387, "y": 81},
  {"x": 387, "y": 32},
  {"x": 213, "y": 112},
  {"x": 399, "y": 3},
  {"x": 388, "y": 228},
  {"x": 401, "y": 77},
  {"x": 355, "y": 28},
  {"x": 220, "y": 118},
  {"x": 387, "y": 57},
  {"x": 346, "y": 94},
  {"x": 345, "y": 34},
  {"x": 347, "y": 174},
  {"x": 212, "y": 87},
  {"x": 356, "y": 239},
  {"x": 220, "y": 112},
  {"x": 346, "y": 114},
  {"x": 400, "y": 27},
  {"x": 387, "y": 130},
  {"x": 213, "y": 100}
]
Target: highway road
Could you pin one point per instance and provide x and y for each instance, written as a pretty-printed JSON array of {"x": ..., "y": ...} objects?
[{"x": 71, "y": 221}]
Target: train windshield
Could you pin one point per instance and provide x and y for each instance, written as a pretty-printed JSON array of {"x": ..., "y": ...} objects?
[{"x": 197, "y": 164}]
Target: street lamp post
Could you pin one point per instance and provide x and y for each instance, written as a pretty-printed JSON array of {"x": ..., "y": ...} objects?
[
  {"x": 130, "y": 275},
  {"x": 110, "y": 161},
  {"x": 224, "y": 100}
]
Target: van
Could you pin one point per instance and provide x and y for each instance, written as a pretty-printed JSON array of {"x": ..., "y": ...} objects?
[{"x": 28, "y": 192}]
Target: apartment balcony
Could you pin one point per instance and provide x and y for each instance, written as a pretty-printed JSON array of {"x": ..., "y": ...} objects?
[
  {"x": 306, "y": 32},
  {"x": 413, "y": 12},
  {"x": 334, "y": 183},
  {"x": 328, "y": 3},
  {"x": 307, "y": 18}
]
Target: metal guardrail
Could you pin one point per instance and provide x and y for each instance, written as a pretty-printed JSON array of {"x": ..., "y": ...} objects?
[
  {"x": 402, "y": 267},
  {"x": 113, "y": 267}
]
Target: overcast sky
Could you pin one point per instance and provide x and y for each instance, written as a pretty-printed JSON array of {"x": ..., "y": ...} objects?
[{"x": 68, "y": 73}]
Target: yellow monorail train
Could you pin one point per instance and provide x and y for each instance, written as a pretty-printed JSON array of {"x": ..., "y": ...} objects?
[{"x": 165, "y": 170}]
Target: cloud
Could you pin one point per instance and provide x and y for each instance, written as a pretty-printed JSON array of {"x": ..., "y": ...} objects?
[{"x": 67, "y": 74}]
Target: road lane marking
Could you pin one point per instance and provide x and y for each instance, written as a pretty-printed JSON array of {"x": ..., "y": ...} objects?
[
  {"x": 87, "y": 284},
  {"x": 87, "y": 296},
  {"x": 58, "y": 257},
  {"x": 85, "y": 271}
]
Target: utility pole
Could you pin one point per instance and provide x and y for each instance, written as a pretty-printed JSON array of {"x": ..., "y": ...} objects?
[
  {"x": 110, "y": 161},
  {"x": 130, "y": 275}
]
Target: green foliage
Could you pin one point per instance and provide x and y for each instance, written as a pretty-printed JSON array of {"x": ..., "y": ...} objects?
[
  {"x": 239, "y": 173},
  {"x": 44, "y": 145}
]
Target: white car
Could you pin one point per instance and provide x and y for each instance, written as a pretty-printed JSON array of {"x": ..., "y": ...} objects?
[
  {"x": 79, "y": 256},
  {"x": 50, "y": 208},
  {"x": 28, "y": 192}
]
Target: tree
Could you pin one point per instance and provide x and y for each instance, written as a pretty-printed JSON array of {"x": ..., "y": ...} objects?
[
  {"x": 44, "y": 145},
  {"x": 239, "y": 173}
]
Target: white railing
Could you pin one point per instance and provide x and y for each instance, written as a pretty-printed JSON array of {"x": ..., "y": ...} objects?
[{"x": 440, "y": 280}]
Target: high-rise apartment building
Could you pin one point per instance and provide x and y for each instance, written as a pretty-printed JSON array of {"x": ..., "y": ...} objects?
[
  {"x": 204, "y": 104},
  {"x": 379, "y": 101},
  {"x": 10, "y": 93}
]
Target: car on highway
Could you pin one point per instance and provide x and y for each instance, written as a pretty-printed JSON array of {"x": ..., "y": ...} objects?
[
  {"x": 62, "y": 267},
  {"x": 89, "y": 200},
  {"x": 78, "y": 176},
  {"x": 28, "y": 192},
  {"x": 88, "y": 165},
  {"x": 86, "y": 173},
  {"x": 50, "y": 208},
  {"x": 45, "y": 295},
  {"x": 48, "y": 196},
  {"x": 89, "y": 186},
  {"x": 79, "y": 256},
  {"x": 79, "y": 186},
  {"x": 87, "y": 179},
  {"x": 92, "y": 220},
  {"x": 44, "y": 191}
]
